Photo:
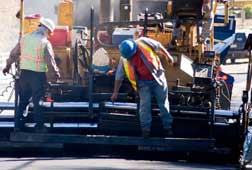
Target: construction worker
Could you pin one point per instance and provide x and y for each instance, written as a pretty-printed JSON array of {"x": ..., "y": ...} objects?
[
  {"x": 141, "y": 63},
  {"x": 177, "y": 34},
  {"x": 36, "y": 57},
  {"x": 208, "y": 18}
]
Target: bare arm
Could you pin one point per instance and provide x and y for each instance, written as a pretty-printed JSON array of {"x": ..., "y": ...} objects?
[
  {"x": 50, "y": 61},
  {"x": 14, "y": 55},
  {"x": 117, "y": 86},
  {"x": 166, "y": 54},
  {"x": 118, "y": 80}
]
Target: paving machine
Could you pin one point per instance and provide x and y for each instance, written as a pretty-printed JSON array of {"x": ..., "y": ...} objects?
[{"x": 78, "y": 109}]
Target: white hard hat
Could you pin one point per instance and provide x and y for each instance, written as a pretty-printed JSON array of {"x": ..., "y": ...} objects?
[{"x": 48, "y": 23}]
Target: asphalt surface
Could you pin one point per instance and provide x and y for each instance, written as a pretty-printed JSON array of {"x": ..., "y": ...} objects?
[
  {"x": 78, "y": 157},
  {"x": 72, "y": 163}
]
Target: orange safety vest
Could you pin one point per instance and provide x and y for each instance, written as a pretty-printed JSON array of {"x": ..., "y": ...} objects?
[
  {"x": 149, "y": 54},
  {"x": 153, "y": 64}
]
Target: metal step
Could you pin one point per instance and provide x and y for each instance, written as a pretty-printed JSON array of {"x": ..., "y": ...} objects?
[
  {"x": 8, "y": 146},
  {"x": 185, "y": 144},
  {"x": 7, "y": 105}
]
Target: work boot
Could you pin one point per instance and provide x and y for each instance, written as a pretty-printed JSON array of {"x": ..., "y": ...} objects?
[
  {"x": 168, "y": 132},
  {"x": 145, "y": 133},
  {"x": 40, "y": 129},
  {"x": 17, "y": 129},
  {"x": 20, "y": 126}
]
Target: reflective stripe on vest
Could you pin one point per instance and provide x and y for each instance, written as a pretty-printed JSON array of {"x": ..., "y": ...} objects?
[
  {"x": 32, "y": 54},
  {"x": 152, "y": 62},
  {"x": 130, "y": 73},
  {"x": 149, "y": 54}
]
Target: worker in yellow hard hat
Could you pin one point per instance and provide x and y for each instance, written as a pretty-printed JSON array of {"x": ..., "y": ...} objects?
[{"x": 36, "y": 57}]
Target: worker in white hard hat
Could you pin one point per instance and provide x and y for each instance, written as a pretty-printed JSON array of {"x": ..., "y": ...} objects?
[
  {"x": 47, "y": 23},
  {"x": 35, "y": 55},
  {"x": 208, "y": 20}
]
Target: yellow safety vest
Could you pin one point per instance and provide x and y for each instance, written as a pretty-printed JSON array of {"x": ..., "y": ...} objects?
[
  {"x": 130, "y": 73},
  {"x": 32, "y": 53}
]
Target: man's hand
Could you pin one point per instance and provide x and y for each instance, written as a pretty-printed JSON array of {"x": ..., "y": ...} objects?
[
  {"x": 6, "y": 70},
  {"x": 114, "y": 97},
  {"x": 115, "y": 91},
  {"x": 110, "y": 72},
  {"x": 57, "y": 75}
]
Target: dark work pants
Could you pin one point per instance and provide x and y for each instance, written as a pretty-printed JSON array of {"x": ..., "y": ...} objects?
[{"x": 31, "y": 84}]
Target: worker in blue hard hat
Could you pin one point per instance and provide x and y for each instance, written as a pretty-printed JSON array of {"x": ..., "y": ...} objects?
[
  {"x": 141, "y": 64},
  {"x": 36, "y": 57}
]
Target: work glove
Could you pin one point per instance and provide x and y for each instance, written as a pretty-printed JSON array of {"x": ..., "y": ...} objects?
[{"x": 6, "y": 70}]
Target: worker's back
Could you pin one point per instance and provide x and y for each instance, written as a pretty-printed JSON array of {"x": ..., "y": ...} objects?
[{"x": 32, "y": 51}]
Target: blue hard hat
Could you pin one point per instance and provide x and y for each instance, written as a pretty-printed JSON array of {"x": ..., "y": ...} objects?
[{"x": 128, "y": 48}]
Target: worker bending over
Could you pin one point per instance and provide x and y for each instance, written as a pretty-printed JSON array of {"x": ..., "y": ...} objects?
[
  {"x": 141, "y": 63},
  {"x": 36, "y": 56}
]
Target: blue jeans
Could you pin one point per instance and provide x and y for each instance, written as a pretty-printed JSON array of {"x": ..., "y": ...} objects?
[{"x": 145, "y": 89}]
